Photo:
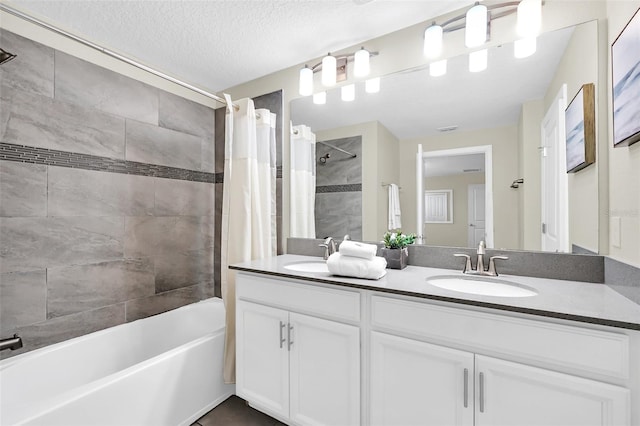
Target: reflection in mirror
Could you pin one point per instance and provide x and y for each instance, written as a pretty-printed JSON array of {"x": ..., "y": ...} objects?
[{"x": 502, "y": 107}]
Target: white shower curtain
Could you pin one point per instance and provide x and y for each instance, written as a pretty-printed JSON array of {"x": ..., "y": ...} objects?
[
  {"x": 248, "y": 203},
  {"x": 302, "y": 220}
]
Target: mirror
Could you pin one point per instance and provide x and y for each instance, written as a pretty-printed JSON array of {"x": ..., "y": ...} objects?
[{"x": 502, "y": 107}]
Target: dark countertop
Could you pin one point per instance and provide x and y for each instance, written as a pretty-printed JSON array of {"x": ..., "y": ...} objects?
[{"x": 569, "y": 300}]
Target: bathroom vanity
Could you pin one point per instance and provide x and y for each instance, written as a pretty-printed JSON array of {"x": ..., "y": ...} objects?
[{"x": 318, "y": 349}]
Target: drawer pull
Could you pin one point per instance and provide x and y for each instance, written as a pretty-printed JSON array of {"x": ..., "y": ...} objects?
[
  {"x": 282, "y": 339},
  {"x": 466, "y": 388},
  {"x": 481, "y": 392},
  {"x": 289, "y": 330}
]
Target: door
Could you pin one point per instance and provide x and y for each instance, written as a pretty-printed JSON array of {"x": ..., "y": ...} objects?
[
  {"x": 476, "y": 214},
  {"x": 554, "y": 192},
  {"x": 325, "y": 371},
  {"x": 262, "y": 357},
  {"x": 416, "y": 383},
  {"x": 513, "y": 394}
]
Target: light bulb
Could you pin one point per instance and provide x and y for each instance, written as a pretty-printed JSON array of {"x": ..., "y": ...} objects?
[
  {"x": 478, "y": 60},
  {"x": 433, "y": 41},
  {"x": 372, "y": 85},
  {"x": 524, "y": 47},
  {"x": 320, "y": 98},
  {"x": 475, "y": 33},
  {"x": 306, "y": 81},
  {"x": 348, "y": 92},
  {"x": 529, "y": 18},
  {"x": 437, "y": 69},
  {"x": 361, "y": 63},
  {"x": 329, "y": 70}
]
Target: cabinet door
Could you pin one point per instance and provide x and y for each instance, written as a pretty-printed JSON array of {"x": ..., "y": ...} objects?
[
  {"x": 416, "y": 383},
  {"x": 262, "y": 357},
  {"x": 325, "y": 372},
  {"x": 513, "y": 394}
]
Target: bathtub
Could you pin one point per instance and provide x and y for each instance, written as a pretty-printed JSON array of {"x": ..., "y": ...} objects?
[{"x": 161, "y": 370}]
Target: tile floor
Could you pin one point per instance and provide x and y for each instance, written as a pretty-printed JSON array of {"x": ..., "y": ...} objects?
[{"x": 235, "y": 412}]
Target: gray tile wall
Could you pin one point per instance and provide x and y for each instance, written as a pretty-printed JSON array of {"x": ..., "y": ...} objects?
[
  {"x": 339, "y": 189},
  {"x": 107, "y": 197}
]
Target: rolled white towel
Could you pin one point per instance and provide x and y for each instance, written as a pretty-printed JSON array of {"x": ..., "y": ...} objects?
[
  {"x": 348, "y": 266},
  {"x": 357, "y": 249}
]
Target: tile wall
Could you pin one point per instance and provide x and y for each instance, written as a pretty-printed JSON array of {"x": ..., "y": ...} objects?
[
  {"x": 339, "y": 189},
  {"x": 107, "y": 197}
]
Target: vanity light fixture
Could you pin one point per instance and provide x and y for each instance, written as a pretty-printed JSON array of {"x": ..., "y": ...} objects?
[
  {"x": 477, "y": 18},
  {"x": 361, "y": 63},
  {"x": 329, "y": 71},
  {"x": 524, "y": 47},
  {"x": 372, "y": 85},
  {"x": 305, "y": 85},
  {"x": 433, "y": 41},
  {"x": 348, "y": 92},
  {"x": 478, "y": 60},
  {"x": 320, "y": 98},
  {"x": 438, "y": 68}
]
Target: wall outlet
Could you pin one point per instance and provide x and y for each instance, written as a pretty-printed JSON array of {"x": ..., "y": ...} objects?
[{"x": 614, "y": 229}]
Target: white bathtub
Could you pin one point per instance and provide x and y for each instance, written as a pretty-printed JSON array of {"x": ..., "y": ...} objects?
[{"x": 162, "y": 370}]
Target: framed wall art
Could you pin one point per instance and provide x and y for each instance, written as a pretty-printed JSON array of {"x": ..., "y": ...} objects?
[
  {"x": 580, "y": 125},
  {"x": 625, "y": 71}
]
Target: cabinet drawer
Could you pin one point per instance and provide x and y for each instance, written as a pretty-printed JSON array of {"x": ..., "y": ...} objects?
[
  {"x": 572, "y": 348},
  {"x": 343, "y": 305}
]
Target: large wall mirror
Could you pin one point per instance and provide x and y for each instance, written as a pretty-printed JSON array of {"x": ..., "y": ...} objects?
[{"x": 501, "y": 109}]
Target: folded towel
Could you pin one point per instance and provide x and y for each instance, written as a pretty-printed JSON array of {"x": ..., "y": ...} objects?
[
  {"x": 348, "y": 266},
  {"x": 356, "y": 249},
  {"x": 395, "y": 221}
]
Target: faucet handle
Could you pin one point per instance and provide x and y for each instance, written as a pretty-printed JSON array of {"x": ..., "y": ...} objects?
[
  {"x": 467, "y": 265},
  {"x": 492, "y": 264}
]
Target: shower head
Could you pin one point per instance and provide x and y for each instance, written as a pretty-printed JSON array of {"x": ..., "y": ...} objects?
[
  {"x": 5, "y": 56},
  {"x": 323, "y": 159}
]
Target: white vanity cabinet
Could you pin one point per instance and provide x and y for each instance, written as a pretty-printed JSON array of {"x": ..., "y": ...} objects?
[
  {"x": 415, "y": 382},
  {"x": 298, "y": 351}
]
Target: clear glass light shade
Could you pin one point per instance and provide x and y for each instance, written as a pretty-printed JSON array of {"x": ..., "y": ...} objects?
[
  {"x": 433, "y": 41},
  {"x": 478, "y": 60},
  {"x": 437, "y": 69},
  {"x": 372, "y": 85},
  {"x": 475, "y": 33},
  {"x": 361, "y": 63},
  {"x": 529, "y": 18},
  {"x": 320, "y": 98},
  {"x": 348, "y": 92},
  {"x": 524, "y": 47},
  {"x": 329, "y": 70},
  {"x": 305, "y": 86}
]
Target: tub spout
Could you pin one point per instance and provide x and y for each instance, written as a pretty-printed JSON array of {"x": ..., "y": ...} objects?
[{"x": 11, "y": 343}]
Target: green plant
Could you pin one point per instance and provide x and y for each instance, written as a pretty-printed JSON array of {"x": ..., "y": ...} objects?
[{"x": 397, "y": 240}]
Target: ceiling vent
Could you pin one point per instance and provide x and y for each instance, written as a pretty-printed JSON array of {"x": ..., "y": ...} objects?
[{"x": 447, "y": 128}]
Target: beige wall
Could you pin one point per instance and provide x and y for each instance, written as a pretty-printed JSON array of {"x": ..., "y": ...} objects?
[
  {"x": 504, "y": 142},
  {"x": 624, "y": 162},
  {"x": 452, "y": 234}
]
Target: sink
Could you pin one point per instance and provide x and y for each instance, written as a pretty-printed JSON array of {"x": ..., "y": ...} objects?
[
  {"x": 481, "y": 285},
  {"x": 308, "y": 266}
]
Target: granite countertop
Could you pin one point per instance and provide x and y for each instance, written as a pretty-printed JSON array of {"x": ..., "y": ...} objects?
[{"x": 569, "y": 300}]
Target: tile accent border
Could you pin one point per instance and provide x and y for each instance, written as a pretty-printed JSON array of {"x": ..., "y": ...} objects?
[
  {"x": 52, "y": 157},
  {"x": 353, "y": 187}
]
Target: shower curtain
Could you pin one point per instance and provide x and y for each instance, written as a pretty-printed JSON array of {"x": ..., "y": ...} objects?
[
  {"x": 248, "y": 203},
  {"x": 302, "y": 220}
]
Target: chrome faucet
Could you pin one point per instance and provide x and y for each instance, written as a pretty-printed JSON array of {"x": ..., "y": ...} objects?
[
  {"x": 11, "y": 343},
  {"x": 468, "y": 269},
  {"x": 330, "y": 247}
]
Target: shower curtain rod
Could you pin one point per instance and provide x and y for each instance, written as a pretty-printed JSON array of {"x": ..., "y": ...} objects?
[
  {"x": 115, "y": 55},
  {"x": 339, "y": 149}
]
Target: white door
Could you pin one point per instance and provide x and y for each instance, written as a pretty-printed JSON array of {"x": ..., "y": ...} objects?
[
  {"x": 554, "y": 216},
  {"x": 476, "y": 215},
  {"x": 262, "y": 357},
  {"x": 512, "y": 394},
  {"x": 325, "y": 372},
  {"x": 416, "y": 383}
]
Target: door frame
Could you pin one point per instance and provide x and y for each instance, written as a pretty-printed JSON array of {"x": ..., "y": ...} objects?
[{"x": 487, "y": 150}]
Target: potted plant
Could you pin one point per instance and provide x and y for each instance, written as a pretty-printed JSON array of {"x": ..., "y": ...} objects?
[{"x": 395, "y": 248}]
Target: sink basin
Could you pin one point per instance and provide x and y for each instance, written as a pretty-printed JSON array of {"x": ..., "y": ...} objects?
[
  {"x": 480, "y": 285},
  {"x": 308, "y": 266}
]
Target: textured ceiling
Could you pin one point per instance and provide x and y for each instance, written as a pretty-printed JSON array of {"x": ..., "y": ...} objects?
[{"x": 217, "y": 44}]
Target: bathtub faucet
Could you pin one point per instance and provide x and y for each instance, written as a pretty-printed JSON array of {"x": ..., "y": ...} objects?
[{"x": 12, "y": 343}]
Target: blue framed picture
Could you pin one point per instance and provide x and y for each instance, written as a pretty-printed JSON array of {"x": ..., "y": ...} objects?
[{"x": 625, "y": 71}]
